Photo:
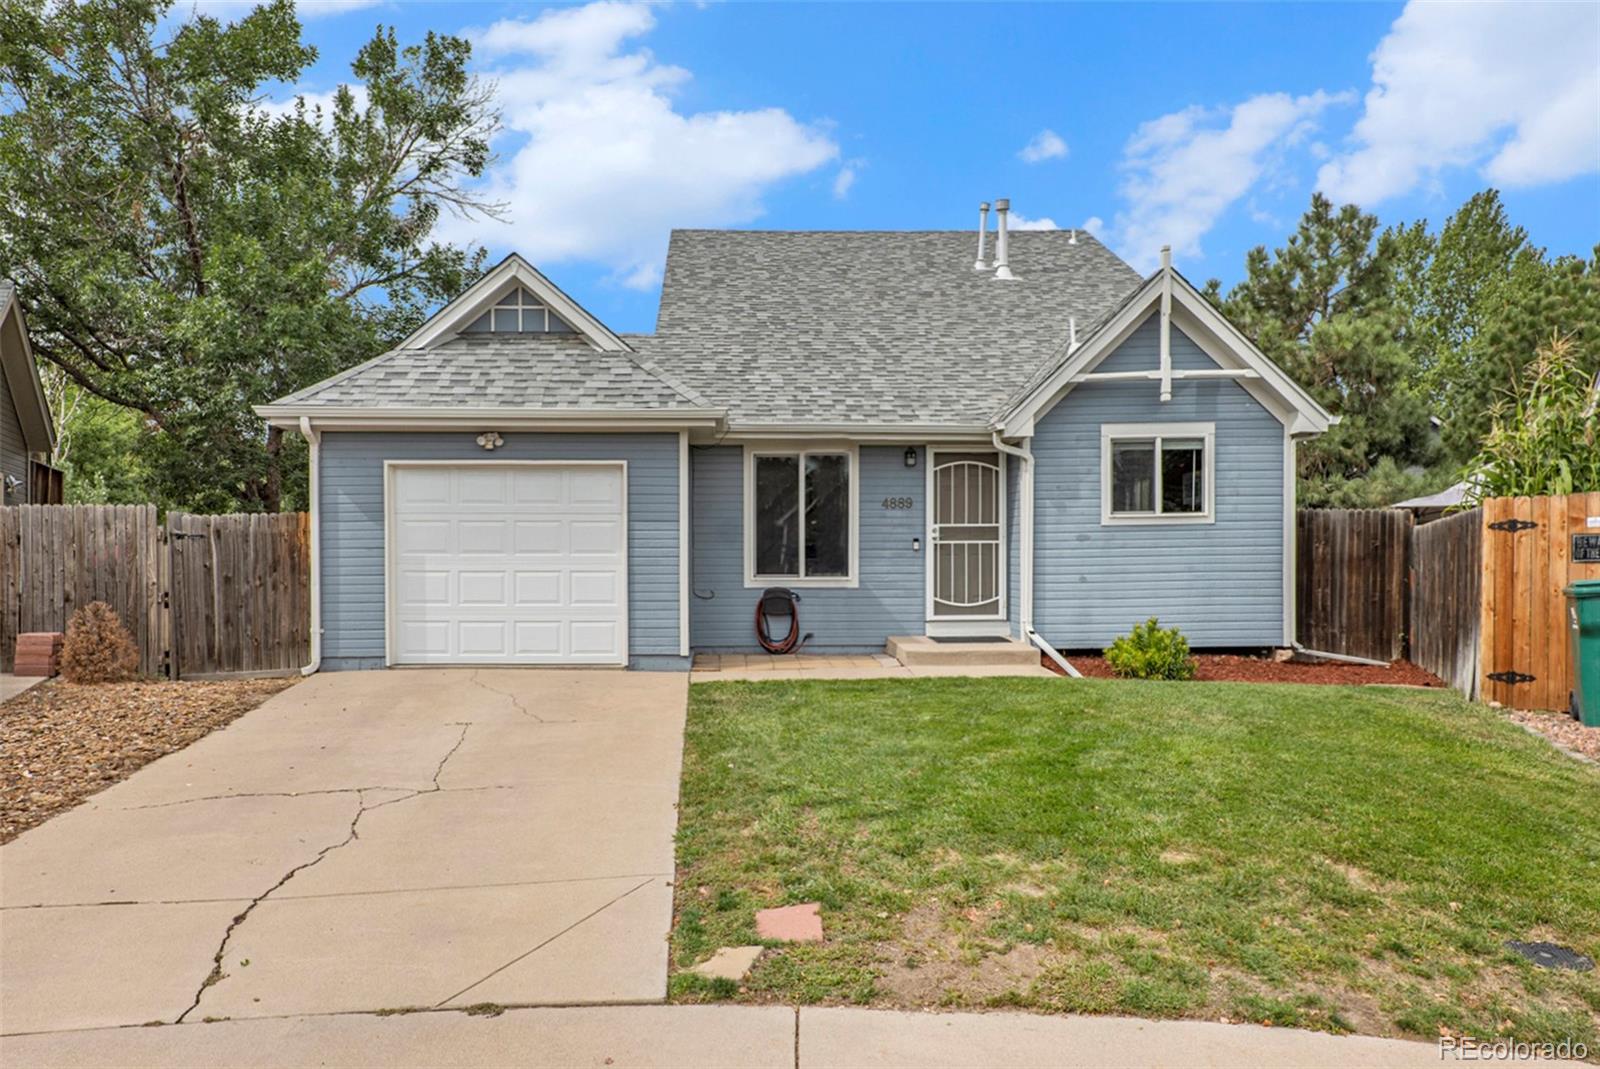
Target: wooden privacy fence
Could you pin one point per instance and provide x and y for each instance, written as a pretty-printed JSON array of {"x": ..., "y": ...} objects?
[
  {"x": 1351, "y": 580},
  {"x": 200, "y": 594},
  {"x": 1445, "y": 606},
  {"x": 1526, "y": 658},
  {"x": 57, "y": 558},
  {"x": 1478, "y": 597}
]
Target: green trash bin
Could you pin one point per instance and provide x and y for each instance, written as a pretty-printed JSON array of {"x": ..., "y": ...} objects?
[{"x": 1583, "y": 624}]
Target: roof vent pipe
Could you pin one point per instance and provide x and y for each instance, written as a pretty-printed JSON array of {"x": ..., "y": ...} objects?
[
  {"x": 982, "y": 264},
  {"x": 1002, "y": 266},
  {"x": 1072, "y": 239}
]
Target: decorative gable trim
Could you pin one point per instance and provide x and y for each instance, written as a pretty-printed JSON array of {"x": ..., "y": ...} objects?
[
  {"x": 482, "y": 294},
  {"x": 1235, "y": 355}
]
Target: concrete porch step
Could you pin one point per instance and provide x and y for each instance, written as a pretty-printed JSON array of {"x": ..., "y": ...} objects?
[{"x": 923, "y": 652}]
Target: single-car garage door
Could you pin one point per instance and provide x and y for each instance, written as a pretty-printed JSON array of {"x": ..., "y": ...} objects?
[{"x": 508, "y": 563}]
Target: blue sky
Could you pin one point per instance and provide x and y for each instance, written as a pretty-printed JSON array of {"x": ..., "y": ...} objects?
[{"x": 1204, "y": 126}]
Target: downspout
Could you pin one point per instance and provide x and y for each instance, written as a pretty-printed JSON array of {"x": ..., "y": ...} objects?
[
  {"x": 313, "y": 438},
  {"x": 1025, "y": 553}
]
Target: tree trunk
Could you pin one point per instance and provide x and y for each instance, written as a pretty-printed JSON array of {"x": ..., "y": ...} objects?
[{"x": 272, "y": 496}]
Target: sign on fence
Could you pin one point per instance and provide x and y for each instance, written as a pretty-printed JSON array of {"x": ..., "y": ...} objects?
[{"x": 200, "y": 595}]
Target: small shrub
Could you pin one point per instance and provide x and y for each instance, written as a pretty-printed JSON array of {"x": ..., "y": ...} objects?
[
  {"x": 97, "y": 648},
  {"x": 1151, "y": 652}
]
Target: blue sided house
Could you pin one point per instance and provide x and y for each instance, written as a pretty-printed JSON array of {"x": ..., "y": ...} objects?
[{"x": 1043, "y": 447}]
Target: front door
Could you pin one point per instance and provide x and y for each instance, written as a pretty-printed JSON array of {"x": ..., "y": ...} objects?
[{"x": 967, "y": 536}]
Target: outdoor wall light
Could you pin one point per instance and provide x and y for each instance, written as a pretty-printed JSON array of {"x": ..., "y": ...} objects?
[
  {"x": 490, "y": 440},
  {"x": 911, "y": 456}
]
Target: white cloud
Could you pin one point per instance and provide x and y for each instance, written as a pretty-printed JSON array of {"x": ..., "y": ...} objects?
[
  {"x": 1046, "y": 145},
  {"x": 1018, "y": 221},
  {"x": 845, "y": 180},
  {"x": 600, "y": 164},
  {"x": 1511, "y": 88},
  {"x": 1095, "y": 225},
  {"x": 1183, "y": 170},
  {"x": 315, "y": 100}
]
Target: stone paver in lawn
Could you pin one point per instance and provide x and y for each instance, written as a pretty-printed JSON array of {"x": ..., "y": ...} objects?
[
  {"x": 729, "y": 963},
  {"x": 791, "y": 924}
]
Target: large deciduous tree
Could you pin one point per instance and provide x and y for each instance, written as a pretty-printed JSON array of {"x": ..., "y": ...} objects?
[
  {"x": 1322, "y": 307},
  {"x": 185, "y": 249}
]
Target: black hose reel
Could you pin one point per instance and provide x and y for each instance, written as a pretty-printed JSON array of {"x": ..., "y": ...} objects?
[{"x": 779, "y": 604}]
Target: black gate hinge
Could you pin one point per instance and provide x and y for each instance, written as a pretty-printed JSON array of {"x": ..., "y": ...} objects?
[
  {"x": 1512, "y": 525},
  {"x": 1511, "y": 677}
]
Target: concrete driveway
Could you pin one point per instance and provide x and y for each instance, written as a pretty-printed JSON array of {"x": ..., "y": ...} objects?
[{"x": 363, "y": 841}]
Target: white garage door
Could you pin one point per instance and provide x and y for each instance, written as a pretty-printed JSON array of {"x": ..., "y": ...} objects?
[{"x": 495, "y": 563}]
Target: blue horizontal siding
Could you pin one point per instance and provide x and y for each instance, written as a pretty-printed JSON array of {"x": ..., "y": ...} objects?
[
  {"x": 1222, "y": 583},
  {"x": 352, "y": 528},
  {"x": 889, "y": 600}
]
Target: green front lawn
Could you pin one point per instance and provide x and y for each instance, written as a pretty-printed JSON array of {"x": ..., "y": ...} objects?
[{"x": 1337, "y": 858}]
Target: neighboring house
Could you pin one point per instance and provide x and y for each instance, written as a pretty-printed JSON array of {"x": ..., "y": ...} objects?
[
  {"x": 1431, "y": 507},
  {"x": 914, "y": 444},
  {"x": 26, "y": 435}
]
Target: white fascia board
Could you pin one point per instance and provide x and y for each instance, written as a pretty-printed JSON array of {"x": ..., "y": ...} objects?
[
  {"x": 861, "y": 433},
  {"x": 481, "y": 295},
  {"x": 1207, "y": 328},
  {"x": 327, "y": 417}
]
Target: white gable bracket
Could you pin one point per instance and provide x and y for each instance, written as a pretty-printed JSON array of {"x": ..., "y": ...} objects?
[{"x": 1168, "y": 293}]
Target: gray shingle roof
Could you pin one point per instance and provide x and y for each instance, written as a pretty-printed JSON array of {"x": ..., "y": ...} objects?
[
  {"x": 785, "y": 327},
  {"x": 872, "y": 326},
  {"x": 517, "y": 371}
]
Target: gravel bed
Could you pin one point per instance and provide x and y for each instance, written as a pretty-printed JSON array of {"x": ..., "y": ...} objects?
[
  {"x": 1562, "y": 730},
  {"x": 61, "y": 742}
]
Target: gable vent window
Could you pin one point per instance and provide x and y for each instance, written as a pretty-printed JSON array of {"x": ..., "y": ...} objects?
[{"x": 518, "y": 312}]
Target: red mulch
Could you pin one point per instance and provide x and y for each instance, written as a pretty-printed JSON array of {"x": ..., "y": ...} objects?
[{"x": 1233, "y": 668}]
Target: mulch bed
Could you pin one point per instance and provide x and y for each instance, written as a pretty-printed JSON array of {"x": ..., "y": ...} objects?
[
  {"x": 60, "y": 742},
  {"x": 1234, "y": 668},
  {"x": 1561, "y": 729}
]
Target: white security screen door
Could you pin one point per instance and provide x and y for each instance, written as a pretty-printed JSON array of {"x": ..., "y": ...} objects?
[
  {"x": 508, "y": 563},
  {"x": 966, "y": 525}
]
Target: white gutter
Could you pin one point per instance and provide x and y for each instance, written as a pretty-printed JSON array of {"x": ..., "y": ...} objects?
[
  {"x": 1025, "y": 552},
  {"x": 1054, "y": 654},
  {"x": 313, "y": 438},
  {"x": 1344, "y": 657}
]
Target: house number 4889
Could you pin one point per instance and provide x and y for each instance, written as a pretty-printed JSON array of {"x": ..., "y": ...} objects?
[{"x": 898, "y": 503}]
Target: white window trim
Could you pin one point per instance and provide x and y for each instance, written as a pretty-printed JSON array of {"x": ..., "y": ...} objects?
[
  {"x": 1110, "y": 432},
  {"x": 751, "y": 579}
]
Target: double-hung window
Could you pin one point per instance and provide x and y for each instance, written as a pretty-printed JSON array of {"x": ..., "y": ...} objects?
[
  {"x": 1157, "y": 472},
  {"x": 800, "y": 517}
]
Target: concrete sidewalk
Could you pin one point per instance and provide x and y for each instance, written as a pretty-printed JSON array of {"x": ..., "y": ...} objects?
[{"x": 777, "y": 1036}]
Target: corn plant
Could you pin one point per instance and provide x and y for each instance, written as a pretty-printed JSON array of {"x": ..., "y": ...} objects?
[{"x": 1545, "y": 436}]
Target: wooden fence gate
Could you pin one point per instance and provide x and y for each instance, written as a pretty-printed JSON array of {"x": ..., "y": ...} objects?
[
  {"x": 1526, "y": 658},
  {"x": 1446, "y": 606},
  {"x": 200, "y": 595},
  {"x": 1351, "y": 581},
  {"x": 239, "y": 595}
]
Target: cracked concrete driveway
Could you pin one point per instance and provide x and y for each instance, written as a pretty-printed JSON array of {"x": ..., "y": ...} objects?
[{"x": 363, "y": 841}]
